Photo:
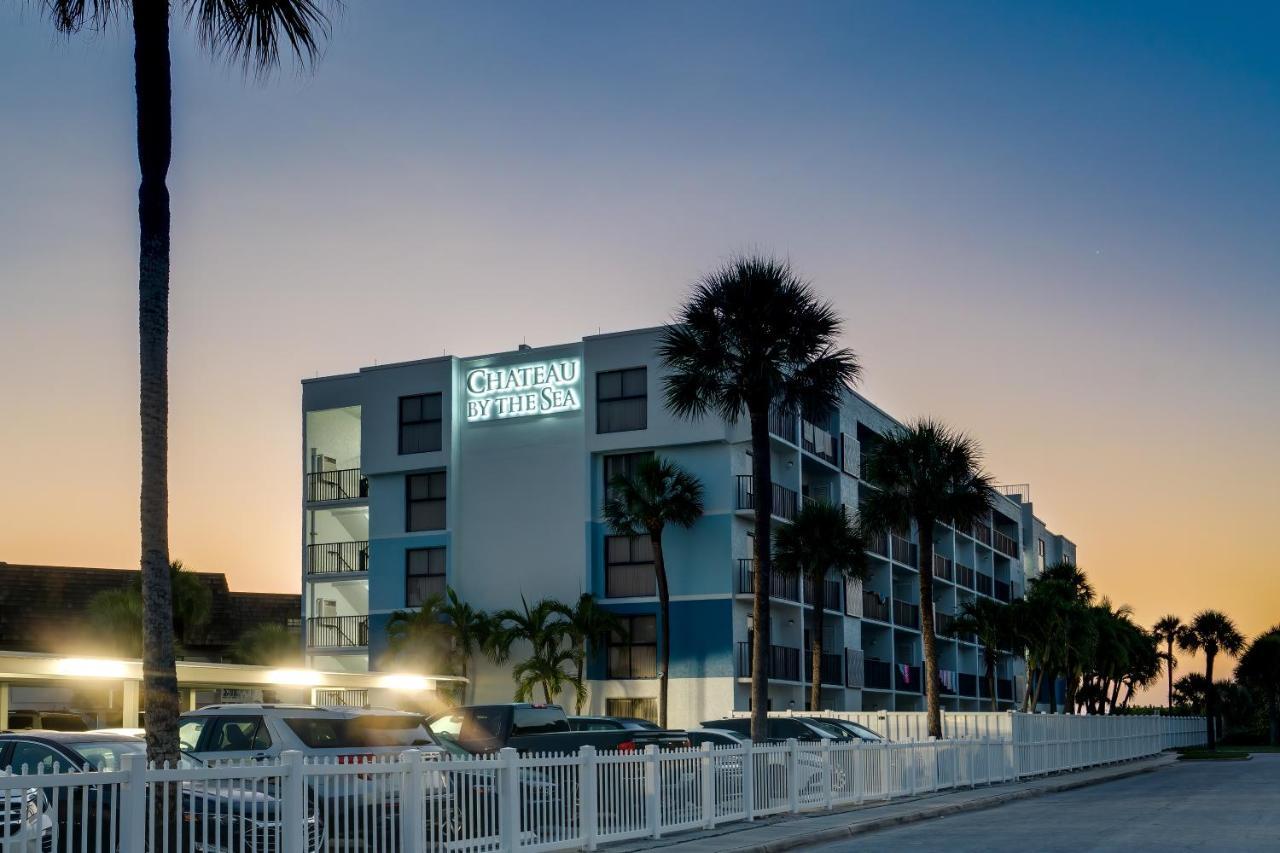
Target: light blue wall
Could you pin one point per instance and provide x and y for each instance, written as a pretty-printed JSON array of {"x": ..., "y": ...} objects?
[{"x": 701, "y": 638}]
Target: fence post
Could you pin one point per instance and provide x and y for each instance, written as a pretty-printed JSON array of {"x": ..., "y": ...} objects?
[
  {"x": 652, "y": 791},
  {"x": 827, "y": 775},
  {"x": 413, "y": 801},
  {"x": 133, "y": 803},
  {"x": 858, "y": 764},
  {"x": 294, "y": 807},
  {"x": 793, "y": 778},
  {"x": 708, "y": 765},
  {"x": 588, "y": 800},
  {"x": 749, "y": 779},
  {"x": 509, "y": 799}
]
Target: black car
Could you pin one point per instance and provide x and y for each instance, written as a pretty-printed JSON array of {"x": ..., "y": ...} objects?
[
  {"x": 612, "y": 724},
  {"x": 780, "y": 729},
  {"x": 221, "y": 816}
]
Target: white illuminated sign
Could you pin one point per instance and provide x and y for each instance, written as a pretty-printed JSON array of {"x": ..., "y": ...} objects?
[{"x": 521, "y": 390}]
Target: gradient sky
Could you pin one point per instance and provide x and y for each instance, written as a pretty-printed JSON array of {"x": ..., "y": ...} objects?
[{"x": 1054, "y": 227}]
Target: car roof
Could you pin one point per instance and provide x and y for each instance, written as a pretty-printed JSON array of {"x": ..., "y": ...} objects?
[{"x": 69, "y": 737}]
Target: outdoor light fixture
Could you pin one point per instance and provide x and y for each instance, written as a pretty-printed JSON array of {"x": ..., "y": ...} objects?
[
  {"x": 294, "y": 677},
  {"x": 407, "y": 683},
  {"x": 92, "y": 668}
]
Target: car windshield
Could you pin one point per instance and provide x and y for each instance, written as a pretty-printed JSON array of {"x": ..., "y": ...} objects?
[
  {"x": 362, "y": 730},
  {"x": 450, "y": 745},
  {"x": 107, "y": 754},
  {"x": 829, "y": 728}
]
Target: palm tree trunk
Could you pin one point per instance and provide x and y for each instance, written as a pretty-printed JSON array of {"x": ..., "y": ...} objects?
[
  {"x": 932, "y": 700},
  {"x": 762, "y": 486},
  {"x": 1210, "y": 699},
  {"x": 664, "y": 620},
  {"x": 153, "y": 90},
  {"x": 1169, "y": 668},
  {"x": 819, "y": 622},
  {"x": 582, "y": 656},
  {"x": 991, "y": 683}
]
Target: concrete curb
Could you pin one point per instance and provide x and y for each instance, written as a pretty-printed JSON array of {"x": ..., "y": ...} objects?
[{"x": 932, "y": 812}]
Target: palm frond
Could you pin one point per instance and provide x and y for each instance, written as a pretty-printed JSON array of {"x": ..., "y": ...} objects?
[{"x": 252, "y": 33}]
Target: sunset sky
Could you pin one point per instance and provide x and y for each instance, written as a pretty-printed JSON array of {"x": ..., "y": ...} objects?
[{"x": 1057, "y": 229}]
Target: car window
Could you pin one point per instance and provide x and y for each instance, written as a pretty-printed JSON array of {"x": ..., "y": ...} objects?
[
  {"x": 598, "y": 726},
  {"x": 538, "y": 721},
  {"x": 189, "y": 732},
  {"x": 107, "y": 755},
  {"x": 741, "y": 725},
  {"x": 388, "y": 730},
  {"x": 236, "y": 734},
  {"x": 30, "y": 757}
]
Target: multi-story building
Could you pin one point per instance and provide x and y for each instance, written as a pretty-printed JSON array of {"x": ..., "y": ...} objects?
[{"x": 488, "y": 475}]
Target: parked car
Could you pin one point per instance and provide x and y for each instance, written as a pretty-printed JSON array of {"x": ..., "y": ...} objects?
[
  {"x": 779, "y": 729},
  {"x": 225, "y": 817},
  {"x": 612, "y": 724},
  {"x": 56, "y": 721},
  {"x": 25, "y": 824},
  {"x": 809, "y": 765},
  {"x": 851, "y": 730},
  {"x": 477, "y": 794},
  {"x": 531, "y": 727}
]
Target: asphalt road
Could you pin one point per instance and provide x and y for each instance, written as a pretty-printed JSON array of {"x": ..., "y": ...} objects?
[{"x": 1200, "y": 806}]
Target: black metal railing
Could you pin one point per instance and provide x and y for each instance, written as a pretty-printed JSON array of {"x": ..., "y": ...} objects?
[
  {"x": 904, "y": 551},
  {"x": 947, "y": 682},
  {"x": 906, "y": 614},
  {"x": 985, "y": 585},
  {"x": 878, "y": 544},
  {"x": 783, "y": 662},
  {"x": 906, "y": 678},
  {"x": 831, "y": 588},
  {"x": 984, "y": 688},
  {"x": 783, "y": 425},
  {"x": 943, "y": 568},
  {"x": 337, "y": 557},
  {"x": 338, "y": 632},
  {"x": 818, "y": 441},
  {"x": 877, "y": 674},
  {"x": 944, "y": 624},
  {"x": 832, "y": 669},
  {"x": 1002, "y": 591},
  {"x": 1004, "y": 689},
  {"x": 780, "y": 585},
  {"x": 347, "y": 484},
  {"x": 784, "y": 499},
  {"x": 964, "y": 576},
  {"x": 982, "y": 533},
  {"x": 968, "y": 684},
  {"x": 874, "y": 606},
  {"x": 1006, "y": 545}
]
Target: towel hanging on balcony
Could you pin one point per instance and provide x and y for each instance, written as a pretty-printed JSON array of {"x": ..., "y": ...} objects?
[{"x": 905, "y": 671}]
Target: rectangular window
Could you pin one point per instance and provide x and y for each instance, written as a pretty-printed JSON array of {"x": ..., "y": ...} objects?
[
  {"x": 635, "y": 707},
  {"x": 636, "y": 654},
  {"x": 424, "y": 498},
  {"x": 622, "y": 400},
  {"x": 622, "y": 465},
  {"x": 424, "y": 575},
  {"x": 420, "y": 423},
  {"x": 628, "y": 567}
]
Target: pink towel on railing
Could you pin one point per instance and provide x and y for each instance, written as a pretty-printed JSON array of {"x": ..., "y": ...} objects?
[{"x": 905, "y": 670}]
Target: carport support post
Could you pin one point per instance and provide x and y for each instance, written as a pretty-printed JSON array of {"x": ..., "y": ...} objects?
[
  {"x": 294, "y": 807},
  {"x": 129, "y": 705},
  {"x": 4, "y": 704},
  {"x": 191, "y": 699}
]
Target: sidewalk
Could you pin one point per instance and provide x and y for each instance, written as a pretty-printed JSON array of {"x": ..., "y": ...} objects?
[{"x": 788, "y": 832}]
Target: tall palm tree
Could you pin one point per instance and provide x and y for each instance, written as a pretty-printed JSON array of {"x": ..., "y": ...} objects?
[
  {"x": 925, "y": 473},
  {"x": 1211, "y": 632},
  {"x": 422, "y": 637},
  {"x": 989, "y": 621},
  {"x": 1259, "y": 669},
  {"x": 754, "y": 336},
  {"x": 467, "y": 629},
  {"x": 544, "y": 627},
  {"x": 823, "y": 539},
  {"x": 658, "y": 492},
  {"x": 590, "y": 627},
  {"x": 1167, "y": 630},
  {"x": 251, "y": 33}
]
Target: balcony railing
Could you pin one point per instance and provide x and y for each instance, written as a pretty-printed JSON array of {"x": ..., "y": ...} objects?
[
  {"x": 968, "y": 683},
  {"x": 906, "y": 678},
  {"x": 878, "y": 544},
  {"x": 985, "y": 585},
  {"x": 345, "y": 485},
  {"x": 874, "y": 606},
  {"x": 832, "y": 669},
  {"x": 783, "y": 425},
  {"x": 904, "y": 551},
  {"x": 338, "y": 632},
  {"x": 337, "y": 558},
  {"x": 853, "y": 668},
  {"x": 982, "y": 533},
  {"x": 947, "y": 682},
  {"x": 964, "y": 576},
  {"x": 944, "y": 624},
  {"x": 1002, "y": 591},
  {"x": 784, "y": 662},
  {"x": 984, "y": 688},
  {"x": 817, "y": 441},
  {"x": 1006, "y": 545},
  {"x": 877, "y": 674},
  {"x": 784, "y": 499},
  {"x": 906, "y": 614},
  {"x": 780, "y": 586},
  {"x": 831, "y": 588},
  {"x": 1004, "y": 689},
  {"x": 943, "y": 568},
  {"x": 342, "y": 697}
]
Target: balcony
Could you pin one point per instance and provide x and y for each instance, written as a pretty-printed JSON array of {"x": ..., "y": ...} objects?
[
  {"x": 334, "y": 558},
  {"x": 907, "y": 678},
  {"x": 943, "y": 568},
  {"x": 904, "y": 551},
  {"x": 1002, "y": 591},
  {"x": 1004, "y": 689},
  {"x": 906, "y": 615},
  {"x": 968, "y": 684},
  {"x": 784, "y": 662},
  {"x": 853, "y": 668},
  {"x": 984, "y": 688},
  {"x": 947, "y": 682},
  {"x": 878, "y": 544},
  {"x": 1006, "y": 545},
  {"x": 944, "y": 625},
  {"x": 786, "y": 587},
  {"x": 831, "y": 588},
  {"x": 877, "y": 675},
  {"x": 338, "y": 632},
  {"x": 985, "y": 585},
  {"x": 832, "y": 669},
  {"x": 874, "y": 606},
  {"x": 344, "y": 485},
  {"x": 818, "y": 442},
  {"x": 784, "y": 499},
  {"x": 783, "y": 425},
  {"x": 964, "y": 576},
  {"x": 982, "y": 533}
]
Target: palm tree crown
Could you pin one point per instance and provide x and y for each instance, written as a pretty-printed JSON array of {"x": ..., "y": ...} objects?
[
  {"x": 1212, "y": 632},
  {"x": 1166, "y": 631},
  {"x": 589, "y": 627}
]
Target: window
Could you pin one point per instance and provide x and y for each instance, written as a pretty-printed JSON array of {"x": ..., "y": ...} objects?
[
  {"x": 622, "y": 465},
  {"x": 634, "y": 655},
  {"x": 237, "y": 734},
  {"x": 36, "y": 758},
  {"x": 645, "y": 709},
  {"x": 425, "y": 498},
  {"x": 189, "y": 733},
  {"x": 424, "y": 575},
  {"x": 628, "y": 567},
  {"x": 1040, "y": 553},
  {"x": 538, "y": 721},
  {"x": 420, "y": 419},
  {"x": 622, "y": 400}
]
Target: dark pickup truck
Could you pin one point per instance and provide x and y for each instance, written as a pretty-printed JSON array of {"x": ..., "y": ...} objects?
[{"x": 538, "y": 728}]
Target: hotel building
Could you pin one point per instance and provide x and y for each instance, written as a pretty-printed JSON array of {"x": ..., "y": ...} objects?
[{"x": 488, "y": 475}]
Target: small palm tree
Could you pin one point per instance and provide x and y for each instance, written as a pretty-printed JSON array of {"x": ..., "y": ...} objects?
[
  {"x": 421, "y": 637},
  {"x": 252, "y": 35},
  {"x": 754, "y": 336},
  {"x": 657, "y": 493},
  {"x": 925, "y": 473},
  {"x": 468, "y": 629},
  {"x": 1259, "y": 670},
  {"x": 1167, "y": 630},
  {"x": 590, "y": 626},
  {"x": 1211, "y": 632},
  {"x": 989, "y": 621},
  {"x": 118, "y": 613},
  {"x": 544, "y": 628},
  {"x": 548, "y": 672},
  {"x": 267, "y": 645},
  {"x": 823, "y": 539}
]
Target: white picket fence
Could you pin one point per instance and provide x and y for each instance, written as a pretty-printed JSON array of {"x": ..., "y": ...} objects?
[{"x": 424, "y": 802}]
